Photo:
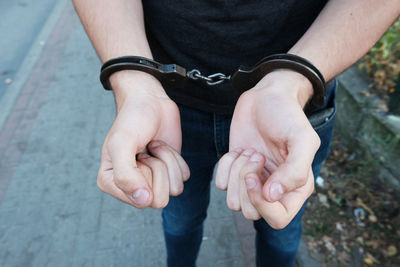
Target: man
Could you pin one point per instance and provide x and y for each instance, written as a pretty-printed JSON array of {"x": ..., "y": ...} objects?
[{"x": 273, "y": 153}]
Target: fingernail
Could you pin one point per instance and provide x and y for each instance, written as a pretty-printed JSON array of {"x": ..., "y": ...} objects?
[
  {"x": 250, "y": 183},
  {"x": 143, "y": 156},
  {"x": 275, "y": 191},
  {"x": 141, "y": 196},
  {"x": 248, "y": 152},
  {"x": 256, "y": 158},
  {"x": 238, "y": 150},
  {"x": 155, "y": 144}
]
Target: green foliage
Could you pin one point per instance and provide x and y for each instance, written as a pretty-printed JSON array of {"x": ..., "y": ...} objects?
[{"x": 382, "y": 62}]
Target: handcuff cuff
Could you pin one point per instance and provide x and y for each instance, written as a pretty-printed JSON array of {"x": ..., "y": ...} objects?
[{"x": 243, "y": 79}]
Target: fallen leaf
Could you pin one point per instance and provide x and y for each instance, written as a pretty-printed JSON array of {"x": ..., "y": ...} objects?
[
  {"x": 330, "y": 247},
  {"x": 326, "y": 239},
  {"x": 365, "y": 93},
  {"x": 323, "y": 199},
  {"x": 331, "y": 195},
  {"x": 392, "y": 250},
  {"x": 372, "y": 243},
  {"x": 359, "y": 202},
  {"x": 368, "y": 261},
  {"x": 369, "y": 256},
  {"x": 372, "y": 218},
  {"x": 339, "y": 227}
]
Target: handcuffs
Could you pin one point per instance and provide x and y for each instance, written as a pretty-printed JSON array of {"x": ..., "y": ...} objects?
[{"x": 243, "y": 79}]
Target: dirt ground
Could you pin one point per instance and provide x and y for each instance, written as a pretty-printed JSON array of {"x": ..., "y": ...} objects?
[{"x": 352, "y": 218}]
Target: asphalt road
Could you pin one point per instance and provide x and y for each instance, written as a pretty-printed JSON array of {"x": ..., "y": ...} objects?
[{"x": 20, "y": 23}]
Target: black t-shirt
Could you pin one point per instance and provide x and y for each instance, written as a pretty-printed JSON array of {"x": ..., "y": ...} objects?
[{"x": 218, "y": 36}]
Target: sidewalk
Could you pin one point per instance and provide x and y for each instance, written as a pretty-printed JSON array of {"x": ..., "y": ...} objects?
[{"x": 51, "y": 211}]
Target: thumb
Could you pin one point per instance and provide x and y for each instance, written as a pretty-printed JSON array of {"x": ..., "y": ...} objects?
[
  {"x": 294, "y": 172},
  {"x": 127, "y": 176}
]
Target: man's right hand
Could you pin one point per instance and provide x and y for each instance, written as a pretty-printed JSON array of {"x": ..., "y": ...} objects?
[{"x": 141, "y": 163}]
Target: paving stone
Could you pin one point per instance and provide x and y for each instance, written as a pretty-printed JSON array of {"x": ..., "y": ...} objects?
[
  {"x": 105, "y": 258},
  {"x": 154, "y": 256},
  {"x": 109, "y": 235},
  {"x": 89, "y": 220},
  {"x": 131, "y": 250},
  {"x": 84, "y": 249}
]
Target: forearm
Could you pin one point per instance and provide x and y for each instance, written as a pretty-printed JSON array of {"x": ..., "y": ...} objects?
[
  {"x": 344, "y": 31},
  {"x": 116, "y": 28}
]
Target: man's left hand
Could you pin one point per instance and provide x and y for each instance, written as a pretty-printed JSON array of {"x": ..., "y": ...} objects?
[{"x": 272, "y": 146}]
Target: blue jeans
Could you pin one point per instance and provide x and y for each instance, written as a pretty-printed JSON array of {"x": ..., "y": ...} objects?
[{"x": 205, "y": 138}]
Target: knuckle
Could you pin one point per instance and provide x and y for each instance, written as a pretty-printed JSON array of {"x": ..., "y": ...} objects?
[
  {"x": 228, "y": 158},
  {"x": 251, "y": 216},
  {"x": 277, "y": 225},
  {"x": 122, "y": 182},
  {"x": 101, "y": 184},
  {"x": 144, "y": 169},
  {"x": 246, "y": 170},
  {"x": 116, "y": 138},
  {"x": 297, "y": 180},
  {"x": 176, "y": 190},
  {"x": 161, "y": 148},
  {"x": 220, "y": 184},
  {"x": 161, "y": 204},
  {"x": 158, "y": 164},
  {"x": 232, "y": 155},
  {"x": 317, "y": 139},
  {"x": 171, "y": 107},
  {"x": 280, "y": 224},
  {"x": 186, "y": 175},
  {"x": 233, "y": 204},
  {"x": 314, "y": 138},
  {"x": 247, "y": 95},
  {"x": 300, "y": 181},
  {"x": 152, "y": 162},
  {"x": 256, "y": 202}
]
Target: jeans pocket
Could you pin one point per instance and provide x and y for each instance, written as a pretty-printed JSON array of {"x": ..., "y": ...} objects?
[{"x": 323, "y": 122}]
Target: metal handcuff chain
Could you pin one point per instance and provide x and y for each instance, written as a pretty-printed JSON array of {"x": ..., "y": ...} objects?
[
  {"x": 213, "y": 79},
  {"x": 172, "y": 75}
]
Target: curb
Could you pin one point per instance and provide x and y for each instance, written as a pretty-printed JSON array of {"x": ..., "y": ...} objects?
[{"x": 360, "y": 122}]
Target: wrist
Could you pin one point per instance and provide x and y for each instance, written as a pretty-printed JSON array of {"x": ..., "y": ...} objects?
[
  {"x": 287, "y": 83},
  {"x": 129, "y": 84}
]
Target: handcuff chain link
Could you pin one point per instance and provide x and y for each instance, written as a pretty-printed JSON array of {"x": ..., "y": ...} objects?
[{"x": 212, "y": 79}]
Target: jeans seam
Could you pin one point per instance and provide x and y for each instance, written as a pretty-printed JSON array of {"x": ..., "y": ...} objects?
[{"x": 216, "y": 134}]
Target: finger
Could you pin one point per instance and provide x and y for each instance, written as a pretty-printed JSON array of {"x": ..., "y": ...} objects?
[
  {"x": 295, "y": 199},
  {"x": 159, "y": 179},
  {"x": 293, "y": 172},
  {"x": 233, "y": 192},
  {"x": 105, "y": 179},
  {"x": 255, "y": 164},
  {"x": 121, "y": 149},
  {"x": 274, "y": 213},
  {"x": 161, "y": 151},
  {"x": 280, "y": 213},
  {"x": 224, "y": 168},
  {"x": 182, "y": 164},
  {"x": 106, "y": 184}
]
